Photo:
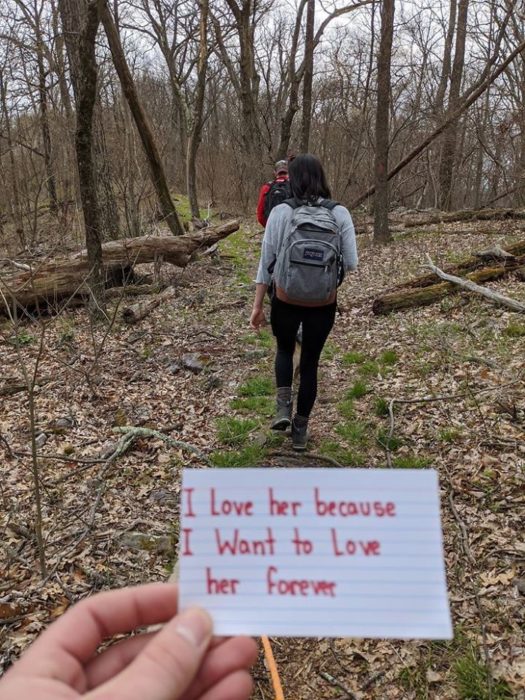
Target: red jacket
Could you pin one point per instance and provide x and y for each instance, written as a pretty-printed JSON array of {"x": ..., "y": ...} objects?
[{"x": 262, "y": 196}]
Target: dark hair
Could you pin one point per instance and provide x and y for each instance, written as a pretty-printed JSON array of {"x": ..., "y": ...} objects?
[{"x": 307, "y": 178}]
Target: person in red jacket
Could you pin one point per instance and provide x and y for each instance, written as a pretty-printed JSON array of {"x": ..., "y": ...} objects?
[{"x": 280, "y": 191}]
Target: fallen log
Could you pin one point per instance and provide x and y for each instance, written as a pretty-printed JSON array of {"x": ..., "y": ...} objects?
[
  {"x": 136, "y": 312},
  {"x": 515, "y": 250},
  {"x": 53, "y": 280},
  {"x": 408, "y": 298},
  {"x": 465, "y": 215},
  {"x": 463, "y": 283}
]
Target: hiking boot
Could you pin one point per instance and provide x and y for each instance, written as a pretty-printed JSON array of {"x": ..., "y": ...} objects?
[
  {"x": 283, "y": 415},
  {"x": 299, "y": 433}
]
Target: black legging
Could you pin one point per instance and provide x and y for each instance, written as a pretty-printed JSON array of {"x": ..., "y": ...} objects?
[{"x": 317, "y": 323}]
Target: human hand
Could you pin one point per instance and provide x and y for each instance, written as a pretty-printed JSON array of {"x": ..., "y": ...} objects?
[
  {"x": 179, "y": 662},
  {"x": 257, "y": 319}
]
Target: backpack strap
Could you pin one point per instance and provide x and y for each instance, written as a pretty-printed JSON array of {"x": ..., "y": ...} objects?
[
  {"x": 329, "y": 204},
  {"x": 326, "y": 203}
]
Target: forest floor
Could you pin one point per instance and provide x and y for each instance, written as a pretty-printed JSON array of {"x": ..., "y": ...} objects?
[{"x": 115, "y": 522}]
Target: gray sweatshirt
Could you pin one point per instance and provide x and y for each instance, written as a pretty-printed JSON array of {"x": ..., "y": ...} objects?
[{"x": 275, "y": 230}]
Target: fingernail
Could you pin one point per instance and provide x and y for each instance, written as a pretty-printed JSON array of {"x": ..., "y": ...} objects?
[{"x": 195, "y": 626}]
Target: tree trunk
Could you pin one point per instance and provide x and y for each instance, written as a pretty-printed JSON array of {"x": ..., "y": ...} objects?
[
  {"x": 448, "y": 154},
  {"x": 196, "y": 130},
  {"x": 16, "y": 207},
  {"x": 44, "y": 122},
  {"x": 87, "y": 93},
  {"x": 143, "y": 126},
  {"x": 308, "y": 75},
  {"x": 381, "y": 230},
  {"x": 72, "y": 14}
]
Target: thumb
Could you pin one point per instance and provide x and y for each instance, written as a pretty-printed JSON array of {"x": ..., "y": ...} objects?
[{"x": 168, "y": 664}]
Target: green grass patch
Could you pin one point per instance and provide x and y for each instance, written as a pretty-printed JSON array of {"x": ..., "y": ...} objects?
[
  {"x": 449, "y": 434},
  {"x": 411, "y": 462},
  {"x": 358, "y": 390},
  {"x": 330, "y": 351},
  {"x": 346, "y": 408},
  {"x": 392, "y": 443},
  {"x": 353, "y": 358},
  {"x": 370, "y": 368},
  {"x": 182, "y": 205},
  {"x": 262, "y": 339},
  {"x": 354, "y": 432},
  {"x": 473, "y": 680},
  {"x": 249, "y": 456},
  {"x": 21, "y": 338},
  {"x": 261, "y": 405},
  {"x": 381, "y": 407},
  {"x": 346, "y": 457},
  {"x": 257, "y": 386},
  {"x": 389, "y": 357},
  {"x": 514, "y": 330},
  {"x": 234, "y": 432}
]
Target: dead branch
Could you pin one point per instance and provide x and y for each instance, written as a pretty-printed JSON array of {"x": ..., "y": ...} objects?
[
  {"x": 135, "y": 313},
  {"x": 496, "y": 297}
]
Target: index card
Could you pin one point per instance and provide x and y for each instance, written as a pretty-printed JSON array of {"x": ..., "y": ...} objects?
[{"x": 315, "y": 552}]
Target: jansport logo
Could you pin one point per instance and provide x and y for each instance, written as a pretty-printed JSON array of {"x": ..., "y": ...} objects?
[{"x": 313, "y": 254}]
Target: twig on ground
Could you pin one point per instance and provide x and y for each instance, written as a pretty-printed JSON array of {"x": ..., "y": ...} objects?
[{"x": 339, "y": 684}]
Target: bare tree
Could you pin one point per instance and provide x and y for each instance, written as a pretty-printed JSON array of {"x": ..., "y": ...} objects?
[
  {"x": 158, "y": 175},
  {"x": 450, "y": 134},
  {"x": 381, "y": 231}
]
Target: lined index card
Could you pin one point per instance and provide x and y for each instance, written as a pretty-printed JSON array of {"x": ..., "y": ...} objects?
[{"x": 315, "y": 552}]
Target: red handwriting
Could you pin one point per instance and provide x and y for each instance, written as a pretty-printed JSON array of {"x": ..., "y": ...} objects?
[
  {"x": 350, "y": 547},
  {"x": 282, "y": 507},
  {"x": 189, "y": 513},
  {"x": 240, "y": 545},
  {"x": 220, "y": 586},
  {"x": 186, "y": 550},
  {"x": 301, "y": 545},
  {"x": 349, "y": 508},
  {"x": 294, "y": 587},
  {"x": 227, "y": 507}
]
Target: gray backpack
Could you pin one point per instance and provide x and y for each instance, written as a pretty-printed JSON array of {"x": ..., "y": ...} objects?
[{"x": 309, "y": 264}]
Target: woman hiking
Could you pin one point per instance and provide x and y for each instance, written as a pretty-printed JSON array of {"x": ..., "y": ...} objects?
[{"x": 308, "y": 243}]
